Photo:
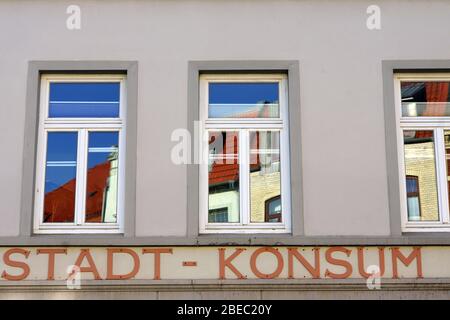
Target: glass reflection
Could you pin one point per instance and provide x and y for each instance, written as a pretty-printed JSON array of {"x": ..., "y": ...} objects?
[
  {"x": 60, "y": 177},
  {"x": 223, "y": 177},
  {"x": 421, "y": 183},
  {"x": 84, "y": 99},
  {"x": 102, "y": 177},
  {"x": 425, "y": 99},
  {"x": 265, "y": 176},
  {"x": 243, "y": 100}
]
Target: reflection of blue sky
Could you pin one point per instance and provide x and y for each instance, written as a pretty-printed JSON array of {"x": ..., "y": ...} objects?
[
  {"x": 61, "y": 159},
  {"x": 101, "y": 145},
  {"x": 246, "y": 93},
  {"x": 80, "y": 99},
  {"x": 62, "y": 155},
  {"x": 228, "y": 99}
]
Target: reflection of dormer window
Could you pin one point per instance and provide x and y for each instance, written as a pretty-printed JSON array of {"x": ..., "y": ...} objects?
[{"x": 273, "y": 209}]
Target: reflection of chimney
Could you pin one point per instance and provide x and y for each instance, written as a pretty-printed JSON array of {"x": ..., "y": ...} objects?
[
  {"x": 266, "y": 110},
  {"x": 113, "y": 155},
  {"x": 109, "y": 212}
]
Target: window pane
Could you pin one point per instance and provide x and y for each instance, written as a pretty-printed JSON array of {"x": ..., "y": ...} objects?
[
  {"x": 218, "y": 215},
  {"x": 413, "y": 208},
  {"x": 265, "y": 176},
  {"x": 243, "y": 100},
  {"x": 412, "y": 186},
  {"x": 223, "y": 176},
  {"x": 426, "y": 99},
  {"x": 102, "y": 177},
  {"x": 60, "y": 177},
  {"x": 421, "y": 181},
  {"x": 84, "y": 100}
]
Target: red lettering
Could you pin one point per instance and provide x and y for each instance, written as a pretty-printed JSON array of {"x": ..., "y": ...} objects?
[
  {"x": 254, "y": 267},
  {"x": 110, "y": 264},
  {"x": 338, "y": 262},
  {"x": 92, "y": 268},
  {"x": 51, "y": 260},
  {"x": 223, "y": 263},
  {"x": 314, "y": 271},
  {"x": 397, "y": 255},
  {"x": 157, "y": 253},
  {"x": 16, "y": 264}
]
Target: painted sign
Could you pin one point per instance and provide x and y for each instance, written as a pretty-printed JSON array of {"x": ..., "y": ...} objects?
[{"x": 155, "y": 263}]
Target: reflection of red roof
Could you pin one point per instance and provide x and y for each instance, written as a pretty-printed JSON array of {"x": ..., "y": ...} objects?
[
  {"x": 256, "y": 113},
  {"x": 223, "y": 173},
  {"x": 59, "y": 204},
  {"x": 435, "y": 92},
  {"x": 227, "y": 171},
  {"x": 420, "y": 134}
]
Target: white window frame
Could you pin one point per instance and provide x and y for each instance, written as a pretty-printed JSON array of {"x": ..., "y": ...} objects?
[
  {"x": 83, "y": 126},
  {"x": 243, "y": 126},
  {"x": 438, "y": 125}
]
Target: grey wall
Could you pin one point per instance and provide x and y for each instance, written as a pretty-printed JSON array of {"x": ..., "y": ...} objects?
[{"x": 342, "y": 127}]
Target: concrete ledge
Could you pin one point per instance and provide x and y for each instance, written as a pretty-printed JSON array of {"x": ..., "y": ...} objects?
[
  {"x": 205, "y": 285},
  {"x": 230, "y": 289}
]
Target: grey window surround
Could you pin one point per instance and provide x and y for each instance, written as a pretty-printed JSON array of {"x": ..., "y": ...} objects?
[
  {"x": 291, "y": 68},
  {"x": 35, "y": 70},
  {"x": 389, "y": 68}
]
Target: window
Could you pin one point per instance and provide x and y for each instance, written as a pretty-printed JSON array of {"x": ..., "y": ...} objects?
[
  {"x": 81, "y": 148},
  {"x": 423, "y": 110},
  {"x": 244, "y": 175}
]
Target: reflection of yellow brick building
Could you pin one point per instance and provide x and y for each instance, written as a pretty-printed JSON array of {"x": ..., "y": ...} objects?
[
  {"x": 228, "y": 201},
  {"x": 263, "y": 187},
  {"x": 420, "y": 162}
]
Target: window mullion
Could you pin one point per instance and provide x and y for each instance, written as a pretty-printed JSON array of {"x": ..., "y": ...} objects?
[
  {"x": 244, "y": 176},
  {"x": 441, "y": 175},
  {"x": 284, "y": 174},
  {"x": 81, "y": 177},
  {"x": 42, "y": 163}
]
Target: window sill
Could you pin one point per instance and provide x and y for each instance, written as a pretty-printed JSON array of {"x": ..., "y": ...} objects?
[
  {"x": 426, "y": 228},
  {"x": 247, "y": 231},
  {"x": 91, "y": 231}
]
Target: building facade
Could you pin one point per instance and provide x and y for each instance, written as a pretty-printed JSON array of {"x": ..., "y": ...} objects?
[{"x": 224, "y": 149}]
